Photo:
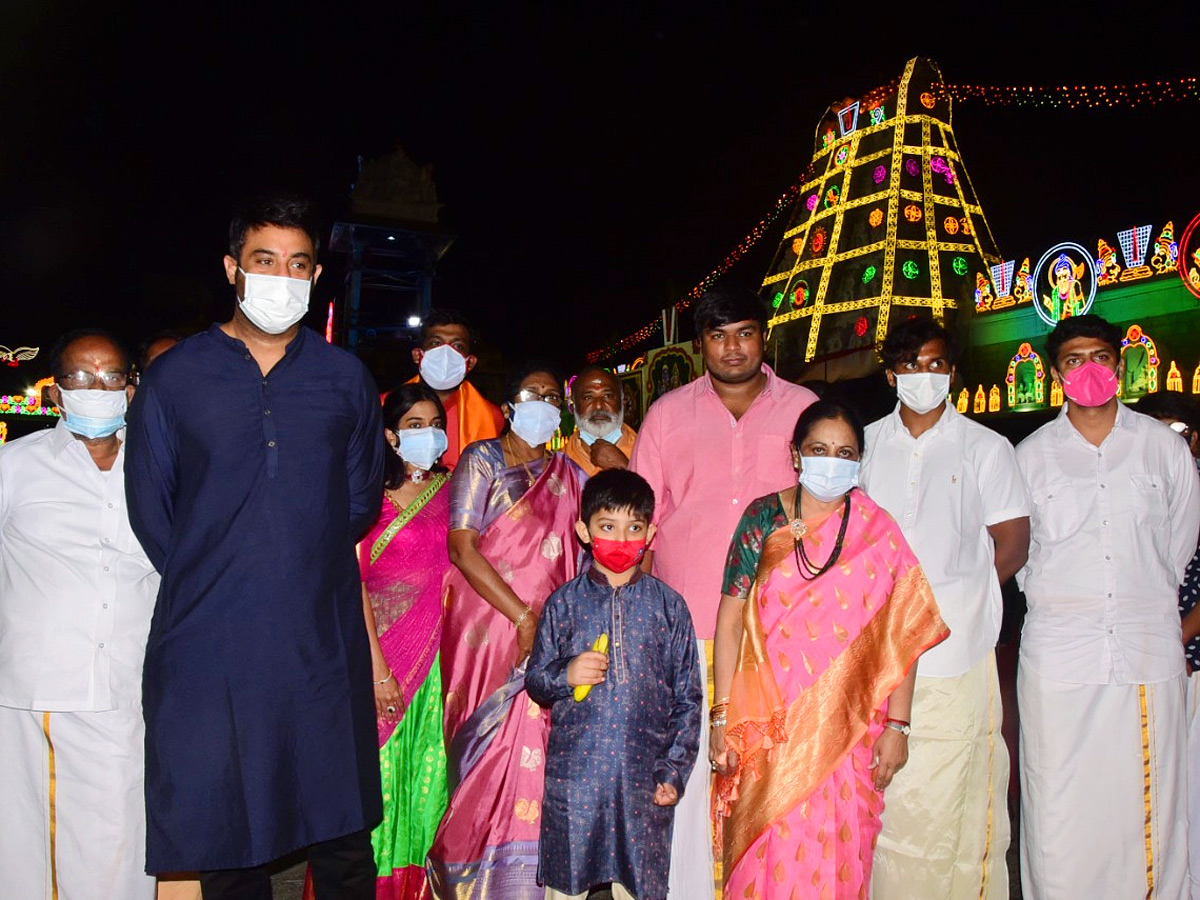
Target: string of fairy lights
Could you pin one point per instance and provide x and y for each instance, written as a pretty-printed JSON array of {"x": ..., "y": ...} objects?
[
  {"x": 1145, "y": 93},
  {"x": 1080, "y": 96},
  {"x": 647, "y": 331}
]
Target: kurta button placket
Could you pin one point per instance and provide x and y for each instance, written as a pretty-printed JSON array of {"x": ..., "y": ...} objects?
[{"x": 270, "y": 436}]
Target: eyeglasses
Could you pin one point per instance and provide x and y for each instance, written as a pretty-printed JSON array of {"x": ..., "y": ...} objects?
[
  {"x": 82, "y": 380},
  {"x": 554, "y": 398}
]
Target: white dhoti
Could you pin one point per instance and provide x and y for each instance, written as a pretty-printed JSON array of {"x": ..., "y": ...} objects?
[
  {"x": 1103, "y": 788},
  {"x": 945, "y": 819},
  {"x": 1193, "y": 777},
  {"x": 691, "y": 876},
  {"x": 73, "y": 806}
]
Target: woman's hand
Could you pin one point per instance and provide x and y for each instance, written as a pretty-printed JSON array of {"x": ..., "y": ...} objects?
[
  {"x": 526, "y": 632},
  {"x": 389, "y": 702},
  {"x": 720, "y": 759},
  {"x": 891, "y": 753}
]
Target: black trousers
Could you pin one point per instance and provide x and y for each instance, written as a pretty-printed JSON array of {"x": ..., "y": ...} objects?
[{"x": 342, "y": 869}]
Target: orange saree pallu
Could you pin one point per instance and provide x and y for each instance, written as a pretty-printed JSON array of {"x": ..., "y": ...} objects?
[{"x": 799, "y": 816}]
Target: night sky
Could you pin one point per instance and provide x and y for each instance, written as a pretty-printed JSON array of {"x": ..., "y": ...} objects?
[{"x": 595, "y": 160}]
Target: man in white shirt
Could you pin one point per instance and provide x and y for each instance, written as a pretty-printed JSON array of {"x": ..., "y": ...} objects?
[
  {"x": 76, "y": 596},
  {"x": 1116, "y": 508},
  {"x": 954, "y": 488}
]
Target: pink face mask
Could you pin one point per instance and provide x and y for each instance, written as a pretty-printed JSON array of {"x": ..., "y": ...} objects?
[{"x": 1091, "y": 384}]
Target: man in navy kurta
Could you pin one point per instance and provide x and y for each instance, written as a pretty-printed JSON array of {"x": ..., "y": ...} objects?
[{"x": 254, "y": 465}]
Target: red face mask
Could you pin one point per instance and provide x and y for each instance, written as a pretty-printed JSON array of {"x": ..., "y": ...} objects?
[{"x": 618, "y": 556}]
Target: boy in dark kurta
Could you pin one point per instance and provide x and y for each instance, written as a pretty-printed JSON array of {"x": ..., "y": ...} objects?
[{"x": 617, "y": 759}]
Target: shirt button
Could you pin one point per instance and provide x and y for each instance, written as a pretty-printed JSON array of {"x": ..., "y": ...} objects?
[
  {"x": 106, "y": 568},
  {"x": 108, "y": 540},
  {"x": 104, "y": 606},
  {"x": 266, "y": 412},
  {"x": 735, "y": 501},
  {"x": 270, "y": 443},
  {"x": 102, "y": 645},
  {"x": 110, "y": 505},
  {"x": 1102, "y": 484},
  {"x": 1108, "y": 558},
  {"x": 1104, "y": 522},
  {"x": 247, "y": 356}
]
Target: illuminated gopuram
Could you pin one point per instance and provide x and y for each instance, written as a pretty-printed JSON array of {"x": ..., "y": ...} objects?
[{"x": 888, "y": 219}]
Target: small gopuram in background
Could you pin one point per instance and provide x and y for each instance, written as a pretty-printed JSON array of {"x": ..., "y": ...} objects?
[
  {"x": 394, "y": 244},
  {"x": 886, "y": 224}
]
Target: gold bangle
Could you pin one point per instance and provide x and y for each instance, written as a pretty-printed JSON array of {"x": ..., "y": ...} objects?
[
  {"x": 386, "y": 680},
  {"x": 521, "y": 618}
]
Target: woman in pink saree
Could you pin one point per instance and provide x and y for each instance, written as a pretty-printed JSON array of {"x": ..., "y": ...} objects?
[
  {"x": 513, "y": 508},
  {"x": 825, "y": 611},
  {"x": 403, "y": 562}
]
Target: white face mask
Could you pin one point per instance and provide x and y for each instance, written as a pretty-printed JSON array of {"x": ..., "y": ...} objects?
[
  {"x": 922, "y": 391},
  {"x": 535, "y": 421},
  {"x": 274, "y": 303},
  {"x": 94, "y": 413},
  {"x": 443, "y": 368},
  {"x": 421, "y": 447},
  {"x": 828, "y": 477}
]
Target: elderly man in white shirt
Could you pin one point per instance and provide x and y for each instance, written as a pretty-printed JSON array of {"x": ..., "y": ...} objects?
[
  {"x": 76, "y": 596},
  {"x": 1116, "y": 508},
  {"x": 954, "y": 488}
]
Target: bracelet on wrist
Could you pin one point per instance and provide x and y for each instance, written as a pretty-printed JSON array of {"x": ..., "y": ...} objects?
[
  {"x": 899, "y": 725},
  {"x": 718, "y": 722},
  {"x": 522, "y": 617},
  {"x": 385, "y": 680}
]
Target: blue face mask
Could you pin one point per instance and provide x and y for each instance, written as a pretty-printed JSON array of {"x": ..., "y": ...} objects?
[
  {"x": 421, "y": 446},
  {"x": 827, "y": 478},
  {"x": 94, "y": 413},
  {"x": 612, "y": 437}
]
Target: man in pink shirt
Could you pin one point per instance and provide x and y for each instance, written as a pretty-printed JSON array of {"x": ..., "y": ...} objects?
[{"x": 708, "y": 449}]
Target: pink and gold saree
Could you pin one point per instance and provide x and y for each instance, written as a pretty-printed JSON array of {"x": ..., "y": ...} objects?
[{"x": 818, "y": 661}]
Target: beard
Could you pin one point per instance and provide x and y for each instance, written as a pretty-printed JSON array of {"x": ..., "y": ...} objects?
[{"x": 601, "y": 422}]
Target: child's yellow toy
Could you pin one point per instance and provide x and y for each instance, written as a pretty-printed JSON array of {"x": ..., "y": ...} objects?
[{"x": 600, "y": 646}]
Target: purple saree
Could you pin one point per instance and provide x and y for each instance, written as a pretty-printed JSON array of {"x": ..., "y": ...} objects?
[{"x": 487, "y": 845}]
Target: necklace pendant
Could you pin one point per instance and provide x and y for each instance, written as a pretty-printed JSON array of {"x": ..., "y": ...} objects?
[
  {"x": 417, "y": 477},
  {"x": 798, "y": 529}
]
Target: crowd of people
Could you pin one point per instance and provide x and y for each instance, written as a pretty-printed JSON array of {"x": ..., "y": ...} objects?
[{"x": 442, "y": 661}]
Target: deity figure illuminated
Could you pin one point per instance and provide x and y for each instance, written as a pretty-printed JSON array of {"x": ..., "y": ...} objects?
[
  {"x": 1166, "y": 251},
  {"x": 1106, "y": 263},
  {"x": 983, "y": 292},
  {"x": 1022, "y": 289},
  {"x": 1066, "y": 297},
  {"x": 1194, "y": 270}
]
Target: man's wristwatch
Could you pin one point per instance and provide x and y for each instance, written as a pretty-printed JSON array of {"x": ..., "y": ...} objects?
[{"x": 898, "y": 725}]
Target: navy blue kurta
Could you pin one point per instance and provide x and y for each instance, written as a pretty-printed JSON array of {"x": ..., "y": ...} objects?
[
  {"x": 248, "y": 493},
  {"x": 637, "y": 729}
]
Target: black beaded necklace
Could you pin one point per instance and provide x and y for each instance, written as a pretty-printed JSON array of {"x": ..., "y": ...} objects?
[{"x": 808, "y": 571}]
